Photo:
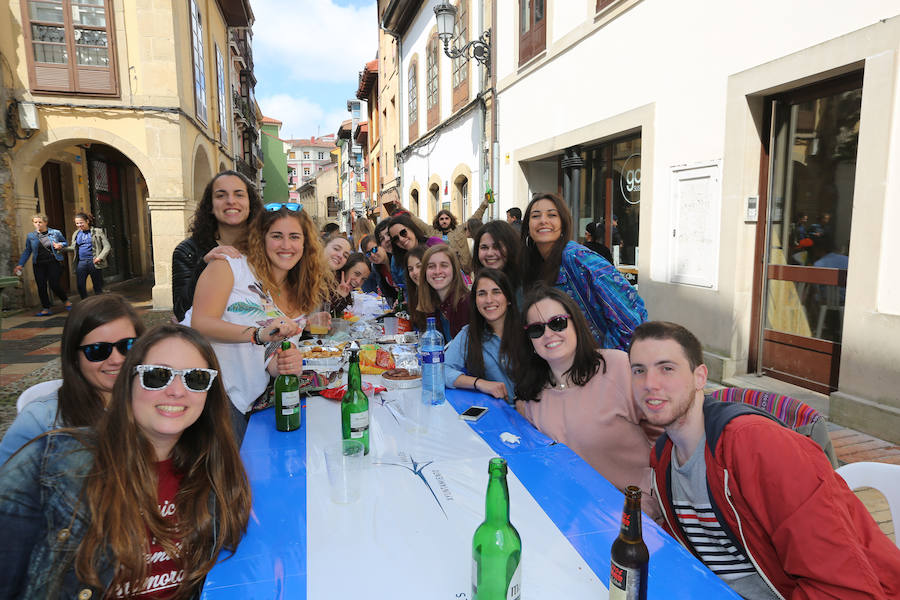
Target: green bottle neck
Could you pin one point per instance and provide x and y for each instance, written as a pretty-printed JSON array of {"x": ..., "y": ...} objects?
[
  {"x": 496, "y": 504},
  {"x": 354, "y": 378}
]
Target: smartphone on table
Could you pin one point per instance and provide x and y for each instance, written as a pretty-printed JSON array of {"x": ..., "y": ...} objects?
[{"x": 473, "y": 413}]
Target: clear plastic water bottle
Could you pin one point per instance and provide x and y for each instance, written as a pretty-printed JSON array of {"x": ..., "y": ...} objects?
[{"x": 431, "y": 347}]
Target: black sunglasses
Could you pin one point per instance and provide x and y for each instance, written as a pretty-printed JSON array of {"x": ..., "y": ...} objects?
[
  {"x": 101, "y": 350},
  {"x": 371, "y": 251},
  {"x": 157, "y": 377},
  {"x": 275, "y": 206},
  {"x": 401, "y": 234},
  {"x": 557, "y": 323}
]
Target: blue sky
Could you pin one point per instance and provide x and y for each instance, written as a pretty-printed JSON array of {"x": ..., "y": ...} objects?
[{"x": 307, "y": 57}]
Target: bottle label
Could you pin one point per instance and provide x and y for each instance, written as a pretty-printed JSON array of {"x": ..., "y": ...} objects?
[
  {"x": 359, "y": 424},
  {"x": 514, "y": 591},
  {"x": 624, "y": 582},
  {"x": 290, "y": 402},
  {"x": 434, "y": 357}
]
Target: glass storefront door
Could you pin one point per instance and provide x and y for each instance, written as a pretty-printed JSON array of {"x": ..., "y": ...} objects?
[
  {"x": 610, "y": 196},
  {"x": 812, "y": 169}
]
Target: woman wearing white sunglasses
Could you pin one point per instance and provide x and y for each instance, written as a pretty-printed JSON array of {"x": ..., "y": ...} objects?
[
  {"x": 580, "y": 395},
  {"x": 97, "y": 335},
  {"x": 246, "y": 306},
  {"x": 143, "y": 504}
]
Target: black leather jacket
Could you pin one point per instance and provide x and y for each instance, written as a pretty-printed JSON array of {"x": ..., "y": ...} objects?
[{"x": 187, "y": 264}]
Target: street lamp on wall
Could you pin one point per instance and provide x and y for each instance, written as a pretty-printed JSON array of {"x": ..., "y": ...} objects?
[{"x": 479, "y": 49}]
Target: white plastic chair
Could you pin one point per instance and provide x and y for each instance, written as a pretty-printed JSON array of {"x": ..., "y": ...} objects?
[
  {"x": 37, "y": 391},
  {"x": 883, "y": 477}
]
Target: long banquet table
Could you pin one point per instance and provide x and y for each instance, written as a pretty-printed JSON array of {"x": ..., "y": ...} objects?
[{"x": 409, "y": 536}]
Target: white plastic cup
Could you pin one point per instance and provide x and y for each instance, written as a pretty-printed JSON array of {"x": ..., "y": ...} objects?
[
  {"x": 344, "y": 463},
  {"x": 417, "y": 413},
  {"x": 390, "y": 325}
]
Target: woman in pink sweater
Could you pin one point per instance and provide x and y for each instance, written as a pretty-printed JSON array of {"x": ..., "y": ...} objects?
[{"x": 580, "y": 395}]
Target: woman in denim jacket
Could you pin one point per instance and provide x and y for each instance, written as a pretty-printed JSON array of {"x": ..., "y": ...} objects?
[
  {"x": 143, "y": 504},
  {"x": 45, "y": 246}
]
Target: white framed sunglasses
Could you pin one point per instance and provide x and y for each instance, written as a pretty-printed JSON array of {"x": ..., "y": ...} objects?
[{"x": 157, "y": 377}]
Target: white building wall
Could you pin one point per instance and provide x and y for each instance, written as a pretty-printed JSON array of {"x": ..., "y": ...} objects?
[
  {"x": 457, "y": 144},
  {"x": 691, "y": 76}
]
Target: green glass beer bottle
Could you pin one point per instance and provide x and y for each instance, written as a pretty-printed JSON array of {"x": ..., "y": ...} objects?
[
  {"x": 630, "y": 559},
  {"x": 287, "y": 399},
  {"x": 496, "y": 545},
  {"x": 355, "y": 405}
]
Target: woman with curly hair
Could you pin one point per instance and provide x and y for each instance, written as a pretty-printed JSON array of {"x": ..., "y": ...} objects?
[
  {"x": 143, "y": 504},
  {"x": 229, "y": 203},
  {"x": 580, "y": 395},
  {"x": 247, "y": 305},
  {"x": 612, "y": 306}
]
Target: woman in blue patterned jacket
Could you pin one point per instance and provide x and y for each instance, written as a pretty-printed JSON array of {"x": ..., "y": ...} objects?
[{"x": 612, "y": 306}]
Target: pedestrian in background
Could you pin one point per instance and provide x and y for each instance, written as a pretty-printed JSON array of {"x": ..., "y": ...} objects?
[
  {"x": 514, "y": 218},
  {"x": 229, "y": 203},
  {"x": 593, "y": 236},
  {"x": 611, "y": 305},
  {"x": 45, "y": 245},
  {"x": 91, "y": 247}
]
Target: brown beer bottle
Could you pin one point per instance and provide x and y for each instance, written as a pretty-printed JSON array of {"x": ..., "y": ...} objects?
[{"x": 630, "y": 558}]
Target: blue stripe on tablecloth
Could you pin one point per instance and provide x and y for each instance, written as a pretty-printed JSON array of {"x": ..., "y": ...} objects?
[
  {"x": 265, "y": 564},
  {"x": 584, "y": 505}
]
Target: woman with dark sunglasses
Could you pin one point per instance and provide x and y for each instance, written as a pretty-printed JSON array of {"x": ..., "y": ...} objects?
[
  {"x": 95, "y": 339},
  {"x": 143, "y": 504},
  {"x": 229, "y": 203},
  {"x": 478, "y": 358},
  {"x": 406, "y": 235},
  {"x": 612, "y": 306},
  {"x": 580, "y": 395}
]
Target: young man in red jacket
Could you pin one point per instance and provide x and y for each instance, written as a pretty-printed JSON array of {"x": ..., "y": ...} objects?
[{"x": 758, "y": 503}]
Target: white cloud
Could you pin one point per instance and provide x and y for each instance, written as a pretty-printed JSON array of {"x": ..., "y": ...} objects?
[
  {"x": 314, "y": 40},
  {"x": 302, "y": 117}
]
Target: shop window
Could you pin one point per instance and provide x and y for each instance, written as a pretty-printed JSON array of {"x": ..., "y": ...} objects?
[
  {"x": 413, "y": 95},
  {"x": 72, "y": 46},
  {"x": 532, "y": 29},
  {"x": 432, "y": 82},
  {"x": 461, "y": 64},
  {"x": 199, "y": 71},
  {"x": 610, "y": 196}
]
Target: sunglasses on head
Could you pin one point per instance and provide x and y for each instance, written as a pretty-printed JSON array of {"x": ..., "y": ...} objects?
[
  {"x": 101, "y": 350},
  {"x": 401, "y": 234},
  {"x": 371, "y": 251},
  {"x": 276, "y": 206},
  {"x": 157, "y": 377},
  {"x": 557, "y": 323}
]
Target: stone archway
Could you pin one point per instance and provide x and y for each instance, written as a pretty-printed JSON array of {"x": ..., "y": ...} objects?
[
  {"x": 200, "y": 174},
  {"x": 90, "y": 170}
]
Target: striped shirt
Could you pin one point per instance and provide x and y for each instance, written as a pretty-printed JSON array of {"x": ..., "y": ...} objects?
[{"x": 690, "y": 500}]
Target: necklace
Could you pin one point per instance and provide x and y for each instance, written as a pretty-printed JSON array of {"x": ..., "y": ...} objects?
[{"x": 560, "y": 385}]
